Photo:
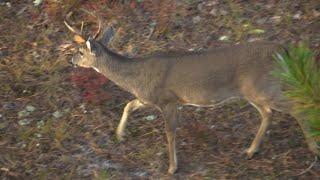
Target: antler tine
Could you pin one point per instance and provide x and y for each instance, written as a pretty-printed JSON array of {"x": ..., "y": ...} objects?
[
  {"x": 74, "y": 30},
  {"x": 99, "y": 30},
  {"x": 99, "y": 21}
]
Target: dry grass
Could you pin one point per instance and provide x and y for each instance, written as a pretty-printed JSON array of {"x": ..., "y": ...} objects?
[{"x": 70, "y": 136}]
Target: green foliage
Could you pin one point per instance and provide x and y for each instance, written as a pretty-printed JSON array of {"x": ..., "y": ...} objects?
[{"x": 300, "y": 72}]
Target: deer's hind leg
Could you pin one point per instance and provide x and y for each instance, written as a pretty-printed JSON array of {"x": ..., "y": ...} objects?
[
  {"x": 170, "y": 115},
  {"x": 265, "y": 112}
]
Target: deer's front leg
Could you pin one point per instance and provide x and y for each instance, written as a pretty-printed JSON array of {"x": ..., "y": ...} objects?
[
  {"x": 170, "y": 118},
  {"x": 129, "y": 108}
]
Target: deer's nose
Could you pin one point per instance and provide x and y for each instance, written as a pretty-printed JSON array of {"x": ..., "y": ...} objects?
[{"x": 72, "y": 62}]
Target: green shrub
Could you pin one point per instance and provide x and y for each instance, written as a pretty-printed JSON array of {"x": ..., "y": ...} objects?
[{"x": 301, "y": 74}]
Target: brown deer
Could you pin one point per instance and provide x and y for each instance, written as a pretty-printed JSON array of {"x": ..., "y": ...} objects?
[{"x": 194, "y": 78}]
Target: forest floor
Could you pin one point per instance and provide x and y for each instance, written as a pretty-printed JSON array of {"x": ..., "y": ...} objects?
[{"x": 58, "y": 122}]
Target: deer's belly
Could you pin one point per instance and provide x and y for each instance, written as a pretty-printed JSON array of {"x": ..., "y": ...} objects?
[
  {"x": 212, "y": 103},
  {"x": 209, "y": 99}
]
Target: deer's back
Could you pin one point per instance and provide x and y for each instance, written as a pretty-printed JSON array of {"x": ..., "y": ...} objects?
[{"x": 211, "y": 77}]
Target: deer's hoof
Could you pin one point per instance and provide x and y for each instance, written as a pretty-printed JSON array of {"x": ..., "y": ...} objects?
[
  {"x": 172, "y": 170},
  {"x": 250, "y": 153},
  {"x": 120, "y": 137}
]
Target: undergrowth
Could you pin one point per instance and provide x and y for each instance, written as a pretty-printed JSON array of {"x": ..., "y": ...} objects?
[{"x": 299, "y": 70}]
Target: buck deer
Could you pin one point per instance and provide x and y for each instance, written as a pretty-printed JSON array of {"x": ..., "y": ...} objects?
[{"x": 199, "y": 79}]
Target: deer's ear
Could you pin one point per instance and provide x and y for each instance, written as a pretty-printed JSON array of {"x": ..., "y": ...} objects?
[{"x": 107, "y": 36}]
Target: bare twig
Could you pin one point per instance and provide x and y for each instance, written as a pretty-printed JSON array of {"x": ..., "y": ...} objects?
[{"x": 310, "y": 167}]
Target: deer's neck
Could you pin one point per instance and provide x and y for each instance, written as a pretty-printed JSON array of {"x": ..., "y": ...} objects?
[{"x": 121, "y": 70}]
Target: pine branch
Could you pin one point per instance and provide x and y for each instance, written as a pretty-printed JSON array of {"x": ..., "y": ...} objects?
[{"x": 298, "y": 69}]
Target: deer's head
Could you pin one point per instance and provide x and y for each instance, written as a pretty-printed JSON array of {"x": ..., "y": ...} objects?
[
  {"x": 94, "y": 48},
  {"x": 88, "y": 56}
]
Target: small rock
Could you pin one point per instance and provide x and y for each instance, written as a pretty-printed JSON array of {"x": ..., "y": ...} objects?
[
  {"x": 30, "y": 108},
  {"x": 196, "y": 19},
  {"x": 198, "y": 109},
  {"x": 57, "y": 114},
  {"x": 212, "y": 3},
  {"x": 37, "y": 2},
  {"x": 269, "y": 6},
  {"x": 297, "y": 16},
  {"x": 214, "y": 12},
  {"x": 26, "y": 112},
  {"x": 223, "y": 12},
  {"x": 40, "y": 124},
  {"x": 159, "y": 153},
  {"x": 0, "y": 115},
  {"x": 275, "y": 19},
  {"x": 38, "y": 135},
  {"x": 315, "y": 13},
  {"x": 183, "y": 143},
  {"x": 35, "y": 55},
  {"x": 23, "y": 113},
  {"x": 24, "y": 122},
  {"x": 140, "y": 174},
  {"x": 223, "y": 38},
  {"x": 257, "y": 31},
  {"x": 83, "y": 108},
  {"x": 21, "y": 10},
  {"x": 254, "y": 39},
  {"x": 150, "y": 117},
  {"x": 200, "y": 7},
  {"x": 274, "y": 157},
  {"x": 246, "y": 25},
  {"x": 66, "y": 110},
  {"x": 261, "y": 21}
]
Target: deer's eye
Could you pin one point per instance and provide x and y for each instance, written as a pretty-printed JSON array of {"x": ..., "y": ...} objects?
[{"x": 81, "y": 54}]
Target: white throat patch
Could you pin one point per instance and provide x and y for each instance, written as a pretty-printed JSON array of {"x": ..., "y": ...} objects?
[
  {"x": 96, "y": 69},
  {"x": 88, "y": 45}
]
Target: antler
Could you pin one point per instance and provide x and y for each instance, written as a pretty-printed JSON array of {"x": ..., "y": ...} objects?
[
  {"x": 75, "y": 30},
  {"x": 99, "y": 21},
  {"x": 79, "y": 32}
]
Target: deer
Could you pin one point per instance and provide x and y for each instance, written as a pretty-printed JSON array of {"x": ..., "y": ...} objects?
[{"x": 169, "y": 80}]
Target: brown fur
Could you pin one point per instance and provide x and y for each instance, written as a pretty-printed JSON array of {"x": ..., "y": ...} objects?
[{"x": 202, "y": 79}]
